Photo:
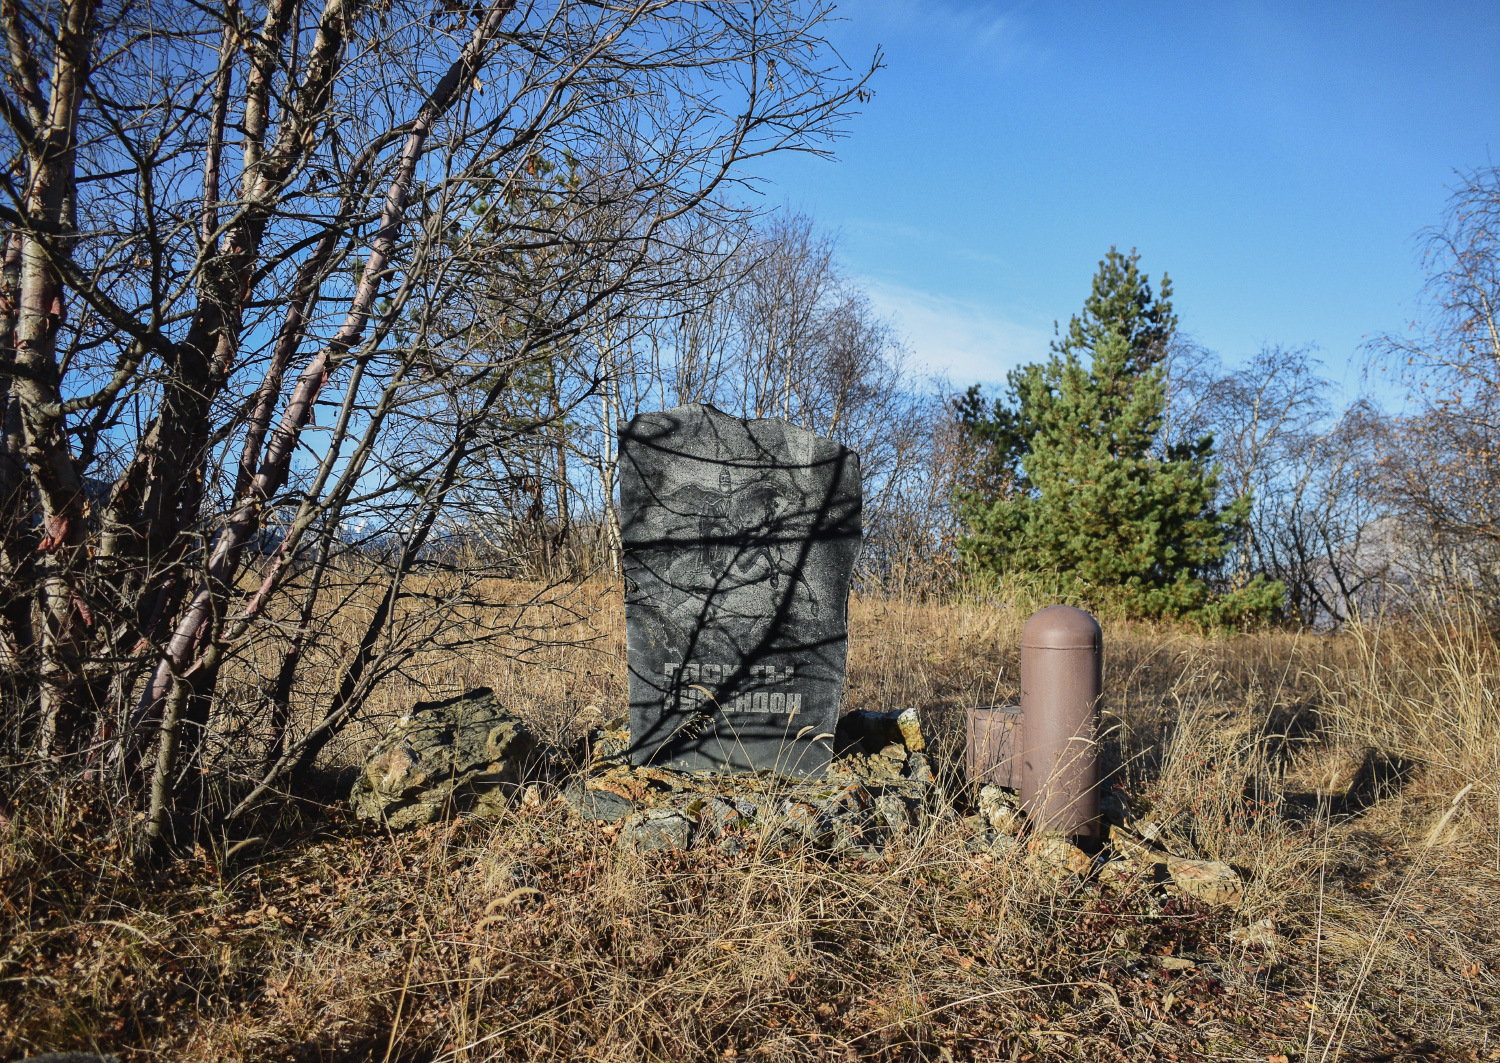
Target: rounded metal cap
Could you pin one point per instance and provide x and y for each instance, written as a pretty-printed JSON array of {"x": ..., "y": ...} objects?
[{"x": 1062, "y": 627}]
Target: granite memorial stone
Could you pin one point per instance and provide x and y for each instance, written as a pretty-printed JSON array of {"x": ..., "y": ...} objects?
[{"x": 740, "y": 540}]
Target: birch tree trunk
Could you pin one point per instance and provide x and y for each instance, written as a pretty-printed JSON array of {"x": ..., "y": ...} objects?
[{"x": 296, "y": 206}]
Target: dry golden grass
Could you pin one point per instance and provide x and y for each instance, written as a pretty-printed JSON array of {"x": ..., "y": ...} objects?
[{"x": 1326, "y": 767}]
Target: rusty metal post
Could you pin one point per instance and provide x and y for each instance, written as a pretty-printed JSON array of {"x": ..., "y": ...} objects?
[
  {"x": 993, "y": 752},
  {"x": 1062, "y": 653}
]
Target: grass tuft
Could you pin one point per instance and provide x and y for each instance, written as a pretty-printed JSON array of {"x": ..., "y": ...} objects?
[{"x": 1351, "y": 777}]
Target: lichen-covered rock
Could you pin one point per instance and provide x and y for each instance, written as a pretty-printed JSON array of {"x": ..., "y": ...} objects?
[
  {"x": 465, "y": 754},
  {"x": 877, "y": 786},
  {"x": 1054, "y": 854},
  {"x": 719, "y": 817},
  {"x": 910, "y": 726},
  {"x": 1125, "y": 871},
  {"x": 656, "y": 828},
  {"x": 851, "y": 820},
  {"x": 801, "y": 818},
  {"x": 597, "y": 805},
  {"x": 919, "y": 770},
  {"x": 877, "y": 767},
  {"x": 612, "y": 742},
  {"x": 1208, "y": 880},
  {"x": 850, "y": 802},
  {"x": 1001, "y": 810},
  {"x": 896, "y": 812},
  {"x": 1260, "y": 934}
]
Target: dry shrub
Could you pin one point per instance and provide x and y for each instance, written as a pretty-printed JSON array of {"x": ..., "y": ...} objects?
[{"x": 1323, "y": 766}]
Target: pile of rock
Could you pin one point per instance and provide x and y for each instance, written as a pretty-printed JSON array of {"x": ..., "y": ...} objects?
[
  {"x": 467, "y": 755},
  {"x": 464, "y": 754},
  {"x": 879, "y": 783},
  {"x": 1132, "y": 849}
]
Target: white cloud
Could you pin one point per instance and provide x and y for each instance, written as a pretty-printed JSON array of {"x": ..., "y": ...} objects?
[
  {"x": 973, "y": 28},
  {"x": 963, "y": 341}
]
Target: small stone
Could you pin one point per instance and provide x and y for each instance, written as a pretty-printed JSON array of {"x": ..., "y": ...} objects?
[
  {"x": 1054, "y": 853},
  {"x": 876, "y": 769},
  {"x": 718, "y": 816},
  {"x": 1260, "y": 934},
  {"x": 597, "y": 805},
  {"x": 849, "y": 819},
  {"x": 608, "y": 745},
  {"x": 1131, "y": 849},
  {"x": 805, "y": 820},
  {"x": 894, "y": 751},
  {"x": 911, "y": 731},
  {"x": 1208, "y": 880},
  {"x": 851, "y": 802},
  {"x": 656, "y": 828},
  {"x": 895, "y": 812},
  {"x": 1001, "y": 809},
  {"x": 918, "y": 770},
  {"x": 843, "y": 837},
  {"x": 998, "y": 844},
  {"x": 1122, "y": 871},
  {"x": 782, "y": 841},
  {"x": 1175, "y": 963}
]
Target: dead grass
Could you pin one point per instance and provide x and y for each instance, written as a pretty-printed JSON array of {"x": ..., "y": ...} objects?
[{"x": 1325, "y": 767}]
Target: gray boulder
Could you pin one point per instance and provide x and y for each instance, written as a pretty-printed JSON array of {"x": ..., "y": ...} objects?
[
  {"x": 597, "y": 806},
  {"x": 656, "y": 828},
  {"x": 464, "y": 754}
]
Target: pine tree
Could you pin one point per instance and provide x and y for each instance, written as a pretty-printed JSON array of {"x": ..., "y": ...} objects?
[{"x": 1075, "y": 479}]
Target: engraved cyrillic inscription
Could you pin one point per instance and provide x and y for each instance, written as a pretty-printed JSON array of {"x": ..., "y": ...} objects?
[{"x": 690, "y": 682}]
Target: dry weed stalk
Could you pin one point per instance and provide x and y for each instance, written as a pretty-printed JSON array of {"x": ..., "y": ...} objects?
[{"x": 538, "y": 937}]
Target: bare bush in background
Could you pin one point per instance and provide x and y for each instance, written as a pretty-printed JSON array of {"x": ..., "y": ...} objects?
[
  {"x": 1317, "y": 522},
  {"x": 1440, "y": 464},
  {"x": 773, "y": 329}
]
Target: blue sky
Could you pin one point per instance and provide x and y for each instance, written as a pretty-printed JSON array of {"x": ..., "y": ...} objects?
[{"x": 1276, "y": 159}]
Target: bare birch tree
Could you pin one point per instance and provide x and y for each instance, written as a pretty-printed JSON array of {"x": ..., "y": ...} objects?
[
  {"x": 1307, "y": 469},
  {"x": 772, "y": 329},
  {"x": 247, "y": 248},
  {"x": 1443, "y": 464}
]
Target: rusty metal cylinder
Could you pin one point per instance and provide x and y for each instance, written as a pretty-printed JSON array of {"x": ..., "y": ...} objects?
[{"x": 1062, "y": 655}]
